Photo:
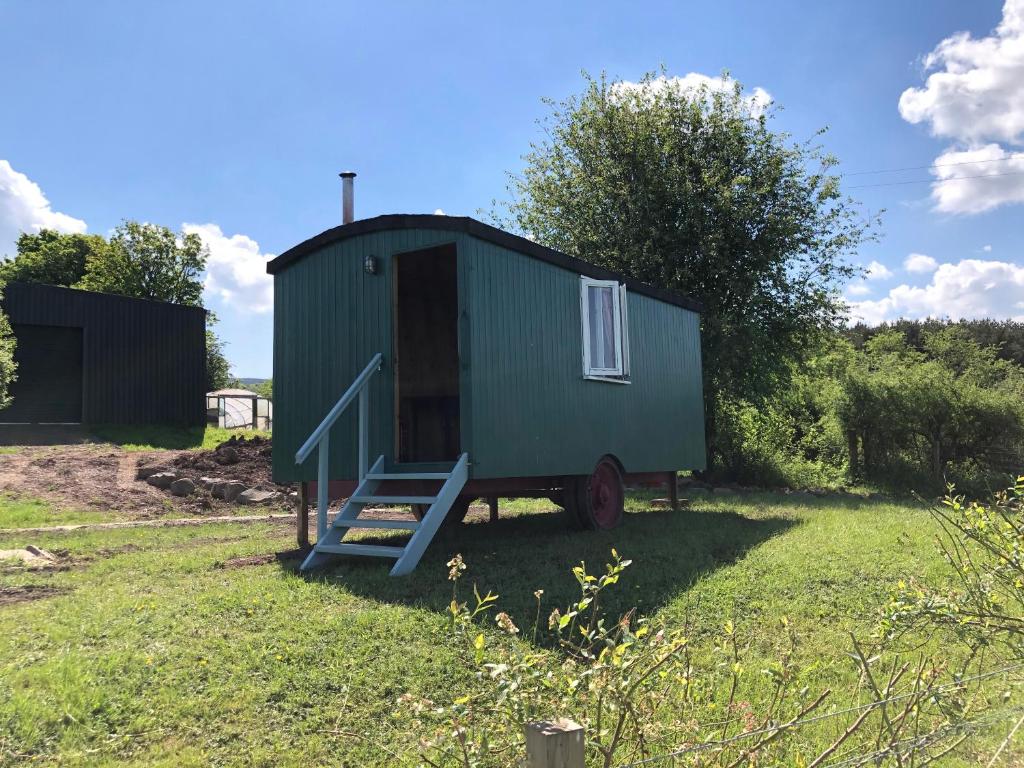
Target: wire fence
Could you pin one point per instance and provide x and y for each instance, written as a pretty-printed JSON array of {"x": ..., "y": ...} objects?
[
  {"x": 859, "y": 709},
  {"x": 906, "y": 746}
]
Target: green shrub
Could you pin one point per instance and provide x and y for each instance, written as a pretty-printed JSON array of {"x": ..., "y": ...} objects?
[
  {"x": 8, "y": 368},
  {"x": 640, "y": 691}
]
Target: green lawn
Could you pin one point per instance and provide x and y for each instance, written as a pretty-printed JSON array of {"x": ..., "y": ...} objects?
[
  {"x": 150, "y": 653},
  {"x": 29, "y": 513},
  {"x": 153, "y": 436}
]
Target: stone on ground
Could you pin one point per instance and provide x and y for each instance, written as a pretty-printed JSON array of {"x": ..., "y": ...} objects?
[
  {"x": 162, "y": 479},
  {"x": 256, "y": 496},
  {"x": 30, "y": 555},
  {"x": 182, "y": 487},
  {"x": 228, "y": 490},
  {"x": 144, "y": 473}
]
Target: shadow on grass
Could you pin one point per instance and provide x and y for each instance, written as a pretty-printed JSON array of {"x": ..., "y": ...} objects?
[
  {"x": 515, "y": 556},
  {"x": 149, "y": 435},
  {"x": 42, "y": 434}
]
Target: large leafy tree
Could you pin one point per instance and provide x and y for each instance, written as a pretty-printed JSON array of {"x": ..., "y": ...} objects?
[
  {"x": 52, "y": 257},
  {"x": 8, "y": 368},
  {"x": 218, "y": 370},
  {"x": 692, "y": 190},
  {"x": 149, "y": 261}
]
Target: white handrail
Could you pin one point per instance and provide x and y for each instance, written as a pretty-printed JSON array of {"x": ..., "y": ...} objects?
[
  {"x": 321, "y": 436},
  {"x": 339, "y": 407}
]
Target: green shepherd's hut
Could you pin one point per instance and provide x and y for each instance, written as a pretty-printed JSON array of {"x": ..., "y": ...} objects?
[{"x": 428, "y": 360}]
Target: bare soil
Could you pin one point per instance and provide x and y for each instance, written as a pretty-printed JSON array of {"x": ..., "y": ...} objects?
[
  {"x": 244, "y": 562},
  {"x": 12, "y": 595},
  {"x": 253, "y": 465},
  {"x": 102, "y": 477},
  {"x": 86, "y": 476}
]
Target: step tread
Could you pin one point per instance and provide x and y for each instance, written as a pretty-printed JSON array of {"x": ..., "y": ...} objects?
[
  {"x": 368, "y": 550},
  {"x": 373, "y": 499},
  {"x": 410, "y": 525},
  {"x": 409, "y": 475}
]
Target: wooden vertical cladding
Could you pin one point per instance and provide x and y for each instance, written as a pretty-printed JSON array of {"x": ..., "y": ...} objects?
[
  {"x": 143, "y": 362},
  {"x": 525, "y": 409}
]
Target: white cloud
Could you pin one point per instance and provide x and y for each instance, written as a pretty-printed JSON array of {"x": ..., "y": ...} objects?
[
  {"x": 986, "y": 248},
  {"x": 24, "y": 208},
  {"x": 966, "y": 186},
  {"x": 757, "y": 99},
  {"x": 236, "y": 272},
  {"x": 858, "y": 288},
  {"x": 877, "y": 271},
  {"x": 971, "y": 288},
  {"x": 974, "y": 94},
  {"x": 919, "y": 262},
  {"x": 439, "y": 212},
  {"x": 975, "y": 91}
]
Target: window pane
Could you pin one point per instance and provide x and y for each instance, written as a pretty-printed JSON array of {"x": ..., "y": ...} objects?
[
  {"x": 593, "y": 317},
  {"x": 608, "y": 328},
  {"x": 601, "y": 330}
]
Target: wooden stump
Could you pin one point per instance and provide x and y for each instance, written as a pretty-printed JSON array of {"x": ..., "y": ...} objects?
[
  {"x": 554, "y": 744},
  {"x": 302, "y": 514}
]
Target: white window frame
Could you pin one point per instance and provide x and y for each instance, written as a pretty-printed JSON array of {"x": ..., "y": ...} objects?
[{"x": 619, "y": 374}]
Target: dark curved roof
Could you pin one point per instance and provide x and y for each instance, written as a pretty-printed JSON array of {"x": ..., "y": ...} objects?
[{"x": 481, "y": 231}]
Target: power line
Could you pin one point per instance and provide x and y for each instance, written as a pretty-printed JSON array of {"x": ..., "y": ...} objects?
[
  {"x": 1015, "y": 156},
  {"x": 937, "y": 181}
]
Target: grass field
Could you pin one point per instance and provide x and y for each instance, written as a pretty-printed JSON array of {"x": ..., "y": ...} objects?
[
  {"x": 150, "y": 437},
  {"x": 149, "y": 652},
  {"x": 27, "y": 513}
]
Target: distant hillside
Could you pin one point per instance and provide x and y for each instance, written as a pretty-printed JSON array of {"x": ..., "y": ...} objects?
[{"x": 251, "y": 382}]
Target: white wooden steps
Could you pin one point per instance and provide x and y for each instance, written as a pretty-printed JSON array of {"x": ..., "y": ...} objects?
[{"x": 423, "y": 531}]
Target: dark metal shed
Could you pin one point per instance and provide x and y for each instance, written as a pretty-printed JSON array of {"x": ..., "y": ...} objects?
[
  {"x": 484, "y": 363},
  {"x": 97, "y": 358}
]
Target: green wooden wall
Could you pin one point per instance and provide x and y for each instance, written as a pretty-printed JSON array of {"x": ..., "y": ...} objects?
[
  {"x": 531, "y": 410},
  {"x": 526, "y": 408}
]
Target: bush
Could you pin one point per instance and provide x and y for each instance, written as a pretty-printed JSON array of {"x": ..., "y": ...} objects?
[
  {"x": 984, "y": 609},
  {"x": 640, "y": 690},
  {"x": 8, "y": 368}
]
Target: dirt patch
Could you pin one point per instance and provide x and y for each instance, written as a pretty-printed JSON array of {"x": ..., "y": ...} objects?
[
  {"x": 103, "y": 477},
  {"x": 244, "y": 562},
  {"x": 23, "y": 594},
  {"x": 82, "y": 477},
  {"x": 244, "y": 460}
]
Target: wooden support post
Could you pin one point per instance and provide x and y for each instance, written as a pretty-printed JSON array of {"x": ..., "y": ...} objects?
[
  {"x": 554, "y": 744},
  {"x": 302, "y": 525},
  {"x": 255, "y": 418},
  {"x": 492, "y": 505},
  {"x": 673, "y": 490}
]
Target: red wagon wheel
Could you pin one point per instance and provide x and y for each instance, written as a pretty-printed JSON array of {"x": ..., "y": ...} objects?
[{"x": 599, "y": 498}]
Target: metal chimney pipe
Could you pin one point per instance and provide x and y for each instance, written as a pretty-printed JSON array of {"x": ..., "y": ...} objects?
[{"x": 347, "y": 196}]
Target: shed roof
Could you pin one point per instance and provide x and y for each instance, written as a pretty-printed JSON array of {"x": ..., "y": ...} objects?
[{"x": 477, "y": 229}]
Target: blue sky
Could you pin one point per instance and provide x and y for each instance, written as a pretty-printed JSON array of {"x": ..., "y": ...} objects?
[{"x": 234, "y": 118}]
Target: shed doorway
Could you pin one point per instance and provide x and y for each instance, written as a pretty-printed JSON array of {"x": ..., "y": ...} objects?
[
  {"x": 48, "y": 389},
  {"x": 426, "y": 355}
]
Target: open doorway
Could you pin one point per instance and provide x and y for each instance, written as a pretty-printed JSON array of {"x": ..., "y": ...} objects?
[{"x": 426, "y": 355}]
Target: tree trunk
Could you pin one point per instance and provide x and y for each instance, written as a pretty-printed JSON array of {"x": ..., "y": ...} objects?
[
  {"x": 867, "y": 443},
  {"x": 709, "y": 433},
  {"x": 937, "y": 459},
  {"x": 851, "y": 447}
]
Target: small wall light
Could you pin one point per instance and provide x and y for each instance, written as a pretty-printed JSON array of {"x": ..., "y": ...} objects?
[{"x": 370, "y": 265}]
